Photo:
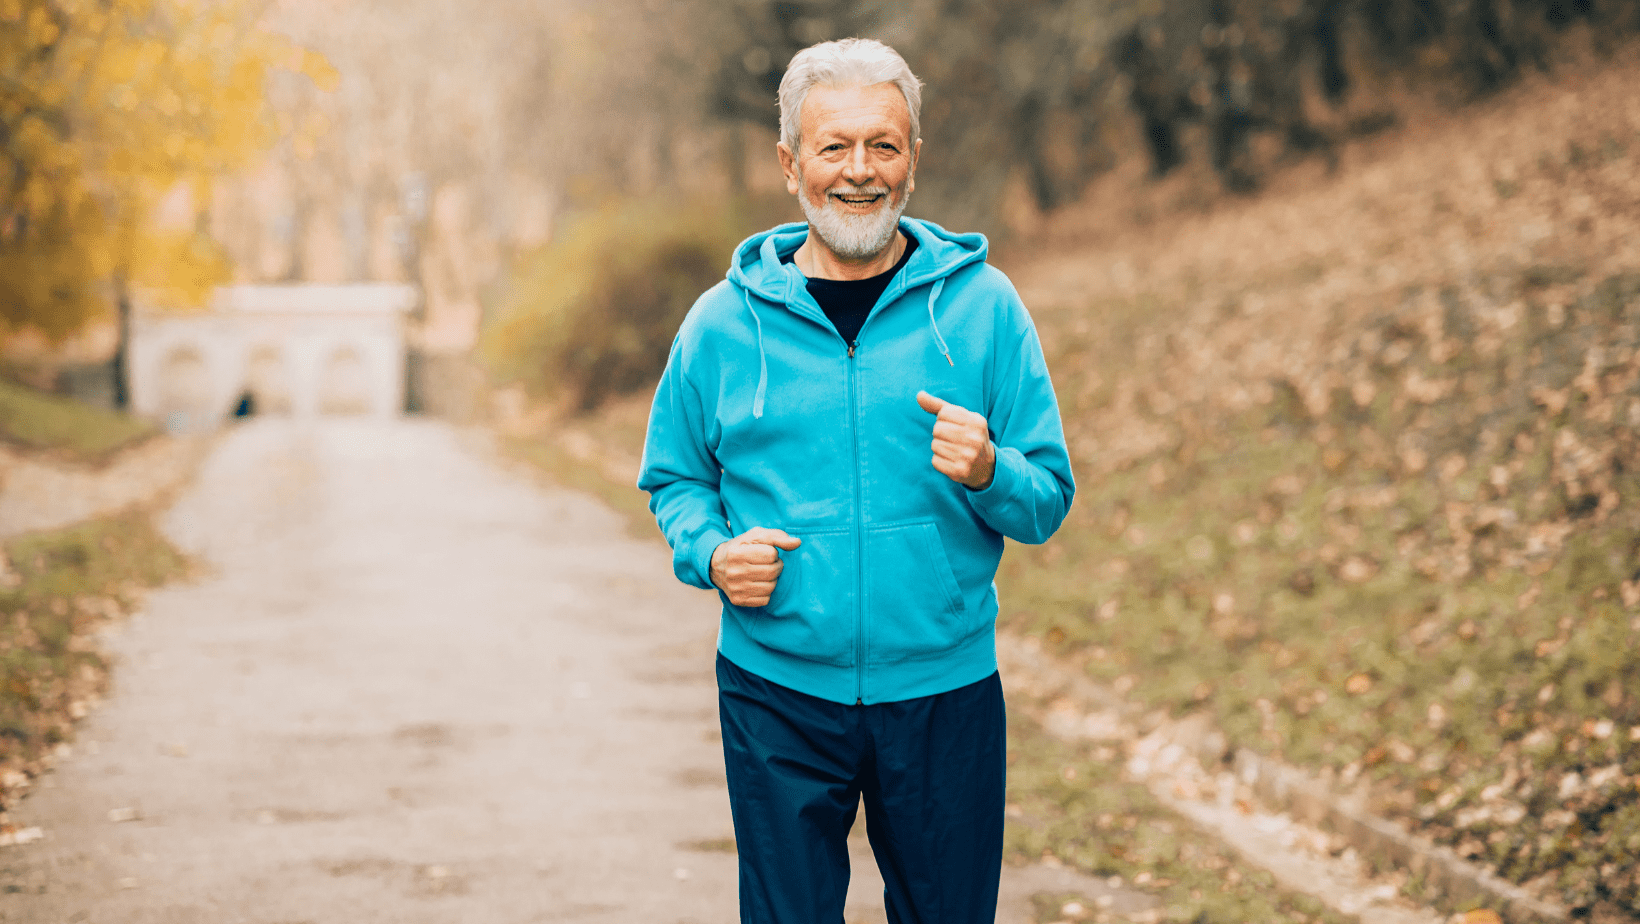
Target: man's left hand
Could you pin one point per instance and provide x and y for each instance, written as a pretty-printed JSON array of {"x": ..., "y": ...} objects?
[{"x": 962, "y": 443}]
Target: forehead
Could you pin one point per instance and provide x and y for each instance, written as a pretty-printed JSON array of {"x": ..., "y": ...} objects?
[{"x": 872, "y": 111}]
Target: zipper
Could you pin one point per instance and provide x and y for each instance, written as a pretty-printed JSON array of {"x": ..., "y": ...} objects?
[{"x": 859, "y": 540}]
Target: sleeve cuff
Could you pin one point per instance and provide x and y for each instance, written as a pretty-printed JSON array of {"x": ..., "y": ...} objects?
[
  {"x": 1005, "y": 482},
  {"x": 701, "y": 556}
]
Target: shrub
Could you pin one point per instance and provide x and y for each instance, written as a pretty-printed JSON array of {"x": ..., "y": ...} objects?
[{"x": 592, "y": 316}]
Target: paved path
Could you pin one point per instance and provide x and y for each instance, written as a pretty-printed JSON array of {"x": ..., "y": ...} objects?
[
  {"x": 414, "y": 687},
  {"x": 38, "y": 492}
]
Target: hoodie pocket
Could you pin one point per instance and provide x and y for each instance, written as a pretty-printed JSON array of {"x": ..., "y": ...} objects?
[
  {"x": 810, "y": 615},
  {"x": 914, "y": 608}
]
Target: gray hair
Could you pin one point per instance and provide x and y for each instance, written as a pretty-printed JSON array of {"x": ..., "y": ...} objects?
[{"x": 851, "y": 62}]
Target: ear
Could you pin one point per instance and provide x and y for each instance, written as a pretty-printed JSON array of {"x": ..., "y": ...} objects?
[
  {"x": 911, "y": 177},
  {"x": 788, "y": 166}
]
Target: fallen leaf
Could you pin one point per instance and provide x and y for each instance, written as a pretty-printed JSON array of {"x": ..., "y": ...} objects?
[
  {"x": 1435, "y": 715},
  {"x": 1357, "y": 569}
]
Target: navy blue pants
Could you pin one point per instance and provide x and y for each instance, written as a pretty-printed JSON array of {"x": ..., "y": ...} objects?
[{"x": 932, "y": 773}]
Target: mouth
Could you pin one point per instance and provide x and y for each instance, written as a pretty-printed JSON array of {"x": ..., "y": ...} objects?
[{"x": 858, "y": 200}]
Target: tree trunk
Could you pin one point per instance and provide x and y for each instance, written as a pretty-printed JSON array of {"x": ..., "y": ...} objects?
[
  {"x": 734, "y": 158},
  {"x": 122, "y": 344}
]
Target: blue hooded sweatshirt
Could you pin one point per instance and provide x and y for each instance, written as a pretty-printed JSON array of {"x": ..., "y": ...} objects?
[{"x": 765, "y": 417}]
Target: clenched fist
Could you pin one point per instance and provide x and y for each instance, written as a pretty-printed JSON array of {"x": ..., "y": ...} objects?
[
  {"x": 962, "y": 443},
  {"x": 747, "y": 566}
]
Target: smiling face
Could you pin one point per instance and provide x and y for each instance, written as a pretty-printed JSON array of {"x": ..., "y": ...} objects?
[{"x": 854, "y": 171}]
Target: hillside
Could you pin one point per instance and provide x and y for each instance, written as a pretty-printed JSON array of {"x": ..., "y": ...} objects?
[{"x": 1357, "y": 462}]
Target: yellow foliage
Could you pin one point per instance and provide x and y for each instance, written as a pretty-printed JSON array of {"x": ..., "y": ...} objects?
[
  {"x": 319, "y": 70},
  {"x": 181, "y": 267},
  {"x": 105, "y": 105}
]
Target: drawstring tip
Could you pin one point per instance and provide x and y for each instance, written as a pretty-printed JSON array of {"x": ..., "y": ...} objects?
[{"x": 934, "y": 296}]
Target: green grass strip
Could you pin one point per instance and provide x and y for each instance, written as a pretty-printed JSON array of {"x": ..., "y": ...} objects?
[
  {"x": 50, "y": 423},
  {"x": 1074, "y": 804},
  {"x": 64, "y": 584}
]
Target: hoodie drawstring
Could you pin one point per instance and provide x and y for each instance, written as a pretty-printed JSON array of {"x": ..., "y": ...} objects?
[
  {"x": 762, "y": 359},
  {"x": 939, "y": 286}
]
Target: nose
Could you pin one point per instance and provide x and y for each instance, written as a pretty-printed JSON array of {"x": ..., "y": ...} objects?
[{"x": 857, "y": 169}]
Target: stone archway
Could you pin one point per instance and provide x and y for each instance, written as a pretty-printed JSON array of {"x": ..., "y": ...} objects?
[
  {"x": 268, "y": 379},
  {"x": 299, "y": 349},
  {"x": 344, "y": 383},
  {"x": 185, "y": 401}
]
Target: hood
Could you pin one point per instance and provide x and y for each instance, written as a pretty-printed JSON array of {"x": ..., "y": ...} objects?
[
  {"x": 756, "y": 266},
  {"x": 757, "y": 270}
]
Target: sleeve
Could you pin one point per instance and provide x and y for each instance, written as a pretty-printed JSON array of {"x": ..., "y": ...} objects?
[
  {"x": 1031, "y": 489},
  {"x": 682, "y": 476}
]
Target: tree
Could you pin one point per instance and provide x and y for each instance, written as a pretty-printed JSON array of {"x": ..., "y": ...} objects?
[
  {"x": 1048, "y": 90},
  {"x": 105, "y": 105}
]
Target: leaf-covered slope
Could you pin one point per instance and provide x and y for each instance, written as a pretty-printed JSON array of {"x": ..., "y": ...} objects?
[{"x": 1360, "y": 475}]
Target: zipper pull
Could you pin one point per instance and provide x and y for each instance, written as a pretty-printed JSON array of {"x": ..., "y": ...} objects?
[{"x": 851, "y": 349}]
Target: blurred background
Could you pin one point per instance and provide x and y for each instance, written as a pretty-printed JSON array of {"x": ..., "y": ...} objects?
[{"x": 1340, "y": 297}]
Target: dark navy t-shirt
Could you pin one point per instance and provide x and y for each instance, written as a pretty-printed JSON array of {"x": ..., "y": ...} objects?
[{"x": 847, "y": 302}]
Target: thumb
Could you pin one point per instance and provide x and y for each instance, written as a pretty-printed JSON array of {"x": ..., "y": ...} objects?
[
  {"x": 774, "y": 537},
  {"x": 929, "y": 403},
  {"x": 779, "y": 539}
]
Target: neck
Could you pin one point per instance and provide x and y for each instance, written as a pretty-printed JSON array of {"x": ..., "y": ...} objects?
[{"x": 817, "y": 261}]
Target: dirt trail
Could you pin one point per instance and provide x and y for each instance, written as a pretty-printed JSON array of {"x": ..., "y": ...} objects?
[{"x": 415, "y": 687}]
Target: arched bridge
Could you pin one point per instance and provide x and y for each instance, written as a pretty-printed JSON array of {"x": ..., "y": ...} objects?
[{"x": 291, "y": 349}]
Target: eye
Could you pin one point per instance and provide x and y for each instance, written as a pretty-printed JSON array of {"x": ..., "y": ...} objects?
[{"x": 889, "y": 148}]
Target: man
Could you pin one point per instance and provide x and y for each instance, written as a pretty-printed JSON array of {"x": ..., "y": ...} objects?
[{"x": 788, "y": 462}]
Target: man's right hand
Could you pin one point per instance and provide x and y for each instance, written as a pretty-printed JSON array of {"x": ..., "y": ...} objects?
[{"x": 747, "y": 566}]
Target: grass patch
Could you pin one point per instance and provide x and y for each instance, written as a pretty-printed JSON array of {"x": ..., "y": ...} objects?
[
  {"x": 62, "y": 585},
  {"x": 49, "y": 423},
  {"x": 1074, "y": 805},
  {"x": 596, "y": 452},
  {"x": 710, "y": 845},
  {"x": 1430, "y": 579},
  {"x": 574, "y": 472}
]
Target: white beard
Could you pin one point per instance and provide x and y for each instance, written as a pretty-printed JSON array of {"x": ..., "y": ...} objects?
[{"x": 853, "y": 236}]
